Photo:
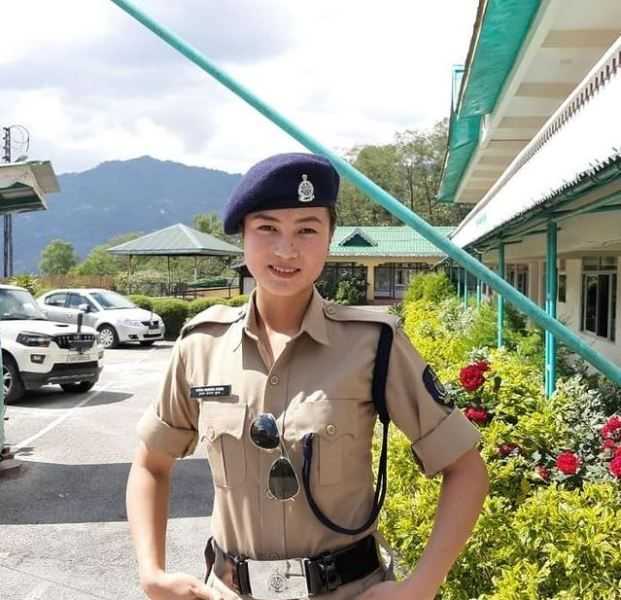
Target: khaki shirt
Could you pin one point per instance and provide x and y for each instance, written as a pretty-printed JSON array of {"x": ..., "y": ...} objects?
[{"x": 321, "y": 383}]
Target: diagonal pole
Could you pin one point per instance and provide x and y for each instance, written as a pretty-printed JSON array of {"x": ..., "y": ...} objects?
[{"x": 382, "y": 197}]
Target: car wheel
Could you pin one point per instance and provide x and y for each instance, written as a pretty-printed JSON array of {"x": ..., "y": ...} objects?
[
  {"x": 13, "y": 386},
  {"x": 77, "y": 388},
  {"x": 108, "y": 337},
  {"x": 147, "y": 342}
]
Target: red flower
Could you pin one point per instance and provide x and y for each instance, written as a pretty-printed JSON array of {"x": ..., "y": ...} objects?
[
  {"x": 483, "y": 365},
  {"x": 477, "y": 414},
  {"x": 615, "y": 466},
  {"x": 471, "y": 378},
  {"x": 609, "y": 444},
  {"x": 568, "y": 463},
  {"x": 612, "y": 429},
  {"x": 542, "y": 472},
  {"x": 617, "y": 452},
  {"x": 508, "y": 448}
]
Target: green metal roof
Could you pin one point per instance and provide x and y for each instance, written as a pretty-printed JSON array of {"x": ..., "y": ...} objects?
[
  {"x": 380, "y": 241},
  {"x": 177, "y": 240},
  {"x": 503, "y": 27}
]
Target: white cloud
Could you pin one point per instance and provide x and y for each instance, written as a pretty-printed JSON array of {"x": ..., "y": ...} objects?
[{"x": 92, "y": 85}]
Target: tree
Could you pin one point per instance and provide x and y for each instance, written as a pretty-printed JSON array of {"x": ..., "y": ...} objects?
[
  {"x": 57, "y": 258},
  {"x": 212, "y": 224},
  {"x": 410, "y": 170},
  {"x": 101, "y": 262}
]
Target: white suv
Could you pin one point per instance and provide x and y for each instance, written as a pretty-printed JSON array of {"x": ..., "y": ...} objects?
[
  {"x": 36, "y": 351},
  {"x": 115, "y": 317}
]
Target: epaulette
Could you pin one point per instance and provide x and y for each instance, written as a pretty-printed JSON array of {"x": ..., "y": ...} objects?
[
  {"x": 343, "y": 312},
  {"x": 218, "y": 313}
]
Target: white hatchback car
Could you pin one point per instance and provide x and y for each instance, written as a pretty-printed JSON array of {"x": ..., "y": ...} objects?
[{"x": 117, "y": 319}]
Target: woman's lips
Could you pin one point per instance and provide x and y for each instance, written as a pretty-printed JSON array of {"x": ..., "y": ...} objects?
[{"x": 283, "y": 272}]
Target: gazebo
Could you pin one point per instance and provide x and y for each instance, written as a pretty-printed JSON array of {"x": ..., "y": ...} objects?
[{"x": 177, "y": 241}]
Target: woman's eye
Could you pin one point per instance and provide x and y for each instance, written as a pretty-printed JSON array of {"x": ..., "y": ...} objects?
[
  {"x": 267, "y": 228},
  {"x": 308, "y": 230}
]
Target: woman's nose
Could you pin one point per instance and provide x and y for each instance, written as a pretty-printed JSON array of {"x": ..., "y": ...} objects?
[{"x": 286, "y": 250}]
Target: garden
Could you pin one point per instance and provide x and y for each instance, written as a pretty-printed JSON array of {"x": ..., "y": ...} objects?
[{"x": 551, "y": 525}]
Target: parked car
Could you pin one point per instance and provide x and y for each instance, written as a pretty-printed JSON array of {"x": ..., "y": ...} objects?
[
  {"x": 37, "y": 351},
  {"x": 115, "y": 317}
]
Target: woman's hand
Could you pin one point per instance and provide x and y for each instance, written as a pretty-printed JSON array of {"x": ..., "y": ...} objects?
[
  {"x": 176, "y": 586},
  {"x": 391, "y": 590}
]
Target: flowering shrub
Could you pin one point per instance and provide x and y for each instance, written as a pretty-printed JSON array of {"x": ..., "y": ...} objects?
[{"x": 551, "y": 526}]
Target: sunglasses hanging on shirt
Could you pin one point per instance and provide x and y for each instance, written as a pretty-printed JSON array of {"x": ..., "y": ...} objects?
[{"x": 282, "y": 482}]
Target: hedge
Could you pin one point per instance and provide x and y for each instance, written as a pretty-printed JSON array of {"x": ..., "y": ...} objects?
[
  {"x": 551, "y": 525},
  {"x": 173, "y": 311}
]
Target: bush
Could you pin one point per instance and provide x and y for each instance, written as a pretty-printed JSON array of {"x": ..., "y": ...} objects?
[
  {"x": 551, "y": 525},
  {"x": 201, "y": 304},
  {"x": 142, "y": 301},
  {"x": 351, "y": 290},
  {"x": 433, "y": 287},
  {"x": 238, "y": 300},
  {"x": 174, "y": 312},
  {"x": 30, "y": 282}
]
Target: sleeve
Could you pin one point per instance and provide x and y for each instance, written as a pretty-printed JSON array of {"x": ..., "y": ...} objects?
[
  {"x": 439, "y": 432},
  {"x": 171, "y": 423}
]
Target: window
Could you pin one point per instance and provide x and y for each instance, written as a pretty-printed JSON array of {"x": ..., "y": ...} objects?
[
  {"x": 562, "y": 287},
  {"x": 56, "y": 299},
  {"x": 599, "y": 296},
  {"x": 77, "y": 300}
]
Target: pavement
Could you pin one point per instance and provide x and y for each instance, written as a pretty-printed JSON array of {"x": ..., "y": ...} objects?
[{"x": 63, "y": 524}]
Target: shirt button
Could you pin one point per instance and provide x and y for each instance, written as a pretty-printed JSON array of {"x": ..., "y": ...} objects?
[
  {"x": 211, "y": 434},
  {"x": 330, "y": 310},
  {"x": 330, "y": 429},
  {"x": 274, "y": 380}
]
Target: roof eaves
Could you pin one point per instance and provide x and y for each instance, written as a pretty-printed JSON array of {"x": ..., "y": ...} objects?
[{"x": 502, "y": 28}]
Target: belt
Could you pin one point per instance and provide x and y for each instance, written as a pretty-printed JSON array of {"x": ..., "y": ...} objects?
[{"x": 294, "y": 578}]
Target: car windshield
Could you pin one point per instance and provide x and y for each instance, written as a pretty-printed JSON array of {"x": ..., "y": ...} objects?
[
  {"x": 111, "y": 300},
  {"x": 19, "y": 304}
]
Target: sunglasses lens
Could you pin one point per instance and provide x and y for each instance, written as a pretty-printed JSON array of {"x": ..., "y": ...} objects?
[
  {"x": 264, "y": 432},
  {"x": 283, "y": 483}
]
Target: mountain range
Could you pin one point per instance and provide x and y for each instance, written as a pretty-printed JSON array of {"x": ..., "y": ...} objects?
[{"x": 116, "y": 197}]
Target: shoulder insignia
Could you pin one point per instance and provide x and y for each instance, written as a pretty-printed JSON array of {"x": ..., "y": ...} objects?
[
  {"x": 218, "y": 313},
  {"x": 342, "y": 312}
]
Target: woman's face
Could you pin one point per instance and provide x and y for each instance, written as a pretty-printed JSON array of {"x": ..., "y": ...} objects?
[{"x": 286, "y": 249}]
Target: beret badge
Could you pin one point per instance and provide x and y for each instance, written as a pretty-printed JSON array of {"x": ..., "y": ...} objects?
[{"x": 306, "y": 191}]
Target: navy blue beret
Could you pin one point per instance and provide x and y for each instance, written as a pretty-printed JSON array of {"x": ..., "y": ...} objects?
[{"x": 294, "y": 180}]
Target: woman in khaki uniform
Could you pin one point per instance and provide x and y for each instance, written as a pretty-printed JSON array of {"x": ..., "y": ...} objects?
[{"x": 279, "y": 394}]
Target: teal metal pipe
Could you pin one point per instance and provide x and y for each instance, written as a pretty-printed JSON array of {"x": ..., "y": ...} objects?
[
  {"x": 459, "y": 282},
  {"x": 501, "y": 301},
  {"x": 478, "y": 292},
  {"x": 383, "y": 198},
  {"x": 466, "y": 288},
  {"x": 551, "y": 292}
]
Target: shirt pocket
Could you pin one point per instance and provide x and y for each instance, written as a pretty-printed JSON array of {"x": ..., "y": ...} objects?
[
  {"x": 335, "y": 423},
  {"x": 221, "y": 426}
]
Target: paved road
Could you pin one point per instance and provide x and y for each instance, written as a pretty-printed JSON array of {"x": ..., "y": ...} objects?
[{"x": 63, "y": 529}]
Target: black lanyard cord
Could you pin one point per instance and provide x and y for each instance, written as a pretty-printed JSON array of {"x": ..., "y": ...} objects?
[{"x": 380, "y": 373}]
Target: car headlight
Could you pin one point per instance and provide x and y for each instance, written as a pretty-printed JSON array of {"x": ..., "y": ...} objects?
[
  {"x": 131, "y": 323},
  {"x": 33, "y": 339}
]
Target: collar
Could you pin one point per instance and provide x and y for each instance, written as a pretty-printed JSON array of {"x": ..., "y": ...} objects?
[{"x": 313, "y": 323}]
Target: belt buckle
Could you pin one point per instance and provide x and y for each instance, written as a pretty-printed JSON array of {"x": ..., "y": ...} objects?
[{"x": 282, "y": 579}]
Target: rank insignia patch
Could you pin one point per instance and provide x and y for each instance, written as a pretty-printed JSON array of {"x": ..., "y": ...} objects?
[{"x": 435, "y": 388}]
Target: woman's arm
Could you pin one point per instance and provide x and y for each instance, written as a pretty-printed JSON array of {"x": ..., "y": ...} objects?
[
  {"x": 148, "y": 489},
  {"x": 464, "y": 488}
]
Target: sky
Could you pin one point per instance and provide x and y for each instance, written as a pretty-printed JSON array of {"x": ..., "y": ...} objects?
[{"x": 91, "y": 84}]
